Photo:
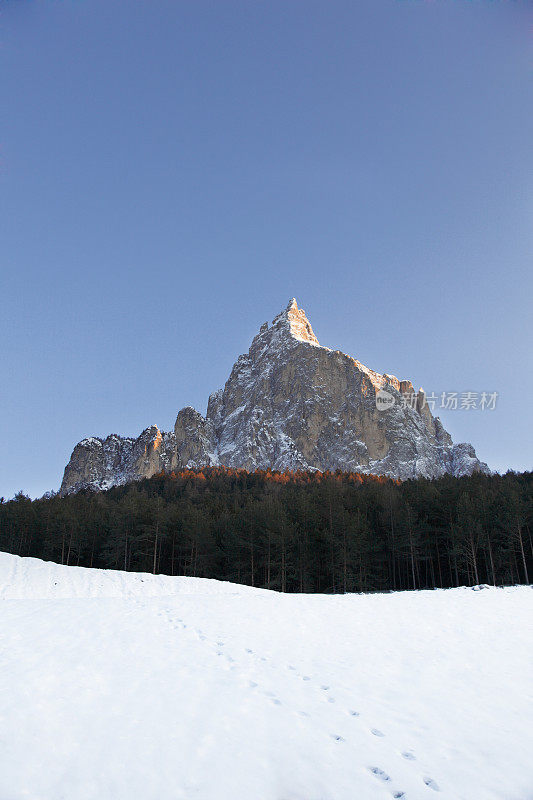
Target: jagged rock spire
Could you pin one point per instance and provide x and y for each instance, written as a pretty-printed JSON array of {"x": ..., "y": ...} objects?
[{"x": 298, "y": 325}]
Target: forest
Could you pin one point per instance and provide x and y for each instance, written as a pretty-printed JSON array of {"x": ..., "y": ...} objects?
[{"x": 290, "y": 531}]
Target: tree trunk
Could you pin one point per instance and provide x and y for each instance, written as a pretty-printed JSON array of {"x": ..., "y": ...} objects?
[
  {"x": 252, "y": 548},
  {"x": 519, "y": 531},
  {"x": 491, "y": 560},
  {"x": 473, "y": 557},
  {"x": 155, "y": 546}
]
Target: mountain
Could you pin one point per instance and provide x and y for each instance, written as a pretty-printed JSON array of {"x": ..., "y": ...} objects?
[{"x": 289, "y": 403}]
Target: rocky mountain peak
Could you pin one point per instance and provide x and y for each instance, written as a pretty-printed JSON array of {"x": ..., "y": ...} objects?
[
  {"x": 296, "y": 323},
  {"x": 289, "y": 403}
]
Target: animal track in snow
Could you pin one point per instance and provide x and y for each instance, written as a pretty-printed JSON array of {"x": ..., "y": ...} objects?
[
  {"x": 379, "y": 773},
  {"x": 376, "y": 771}
]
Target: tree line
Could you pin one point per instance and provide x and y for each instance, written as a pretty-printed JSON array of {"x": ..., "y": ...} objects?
[{"x": 290, "y": 531}]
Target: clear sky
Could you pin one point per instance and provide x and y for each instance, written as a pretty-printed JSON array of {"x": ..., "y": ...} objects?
[{"x": 172, "y": 173}]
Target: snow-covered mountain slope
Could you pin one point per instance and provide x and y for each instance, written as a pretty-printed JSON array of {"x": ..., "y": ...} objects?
[
  {"x": 116, "y": 686},
  {"x": 289, "y": 403}
]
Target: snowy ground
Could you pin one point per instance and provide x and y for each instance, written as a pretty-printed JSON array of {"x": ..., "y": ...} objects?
[{"x": 117, "y": 686}]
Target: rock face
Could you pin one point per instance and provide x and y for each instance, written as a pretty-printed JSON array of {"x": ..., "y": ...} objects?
[
  {"x": 102, "y": 463},
  {"x": 289, "y": 403}
]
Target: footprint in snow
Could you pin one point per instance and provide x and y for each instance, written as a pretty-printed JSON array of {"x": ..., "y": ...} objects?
[
  {"x": 432, "y": 785},
  {"x": 252, "y": 684},
  {"x": 247, "y": 650},
  {"x": 325, "y": 688},
  {"x": 337, "y": 737},
  {"x": 379, "y": 773},
  {"x": 397, "y": 795},
  {"x": 353, "y": 713},
  {"x": 331, "y": 699},
  {"x": 291, "y": 667},
  {"x": 276, "y": 701},
  {"x": 220, "y": 644},
  {"x": 376, "y": 732},
  {"x": 409, "y": 756},
  {"x": 306, "y": 678}
]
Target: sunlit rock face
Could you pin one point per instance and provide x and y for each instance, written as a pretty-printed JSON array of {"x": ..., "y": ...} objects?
[
  {"x": 102, "y": 463},
  {"x": 289, "y": 403}
]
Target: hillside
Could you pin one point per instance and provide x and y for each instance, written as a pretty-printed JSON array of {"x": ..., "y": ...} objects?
[{"x": 117, "y": 685}]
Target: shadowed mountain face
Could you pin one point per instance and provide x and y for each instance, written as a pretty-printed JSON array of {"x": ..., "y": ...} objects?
[{"x": 289, "y": 403}]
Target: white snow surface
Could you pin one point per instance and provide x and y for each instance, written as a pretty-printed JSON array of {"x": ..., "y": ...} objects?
[{"x": 116, "y": 686}]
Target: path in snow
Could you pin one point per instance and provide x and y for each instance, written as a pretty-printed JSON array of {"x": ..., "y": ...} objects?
[{"x": 115, "y": 686}]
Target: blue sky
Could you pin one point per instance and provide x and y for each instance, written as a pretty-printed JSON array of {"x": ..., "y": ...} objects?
[{"x": 171, "y": 173}]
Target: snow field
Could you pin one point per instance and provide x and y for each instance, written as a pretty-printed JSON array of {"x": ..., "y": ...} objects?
[{"x": 116, "y": 686}]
